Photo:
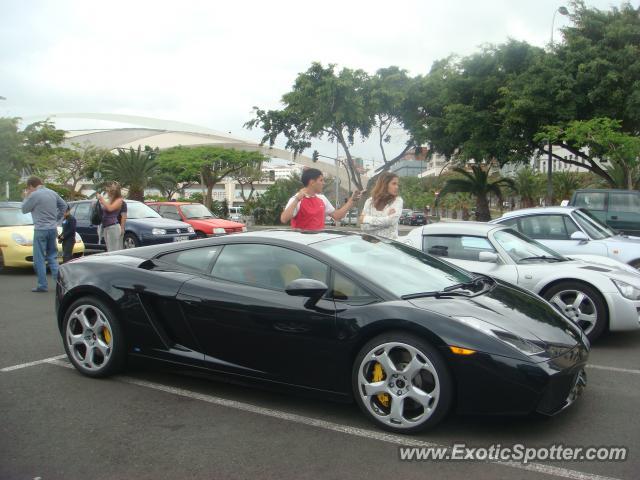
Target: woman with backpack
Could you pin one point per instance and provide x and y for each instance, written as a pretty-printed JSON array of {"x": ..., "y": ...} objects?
[{"x": 114, "y": 215}]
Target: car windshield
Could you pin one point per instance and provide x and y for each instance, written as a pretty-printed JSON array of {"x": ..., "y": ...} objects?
[
  {"x": 140, "y": 210},
  {"x": 400, "y": 269},
  {"x": 590, "y": 224},
  {"x": 197, "y": 210},
  {"x": 11, "y": 217},
  {"x": 524, "y": 250}
]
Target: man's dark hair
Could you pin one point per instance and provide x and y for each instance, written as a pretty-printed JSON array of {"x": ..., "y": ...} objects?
[
  {"x": 310, "y": 174},
  {"x": 34, "y": 181}
]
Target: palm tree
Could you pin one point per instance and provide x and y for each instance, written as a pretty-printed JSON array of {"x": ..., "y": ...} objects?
[
  {"x": 564, "y": 184},
  {"x": 133, "y": 169},
  {"x": 528, "y": 185},
  {"x": 477, "y": 183}
]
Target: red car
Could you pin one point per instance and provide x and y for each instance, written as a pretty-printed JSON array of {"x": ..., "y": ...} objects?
[{"x": 205, "y": 223}]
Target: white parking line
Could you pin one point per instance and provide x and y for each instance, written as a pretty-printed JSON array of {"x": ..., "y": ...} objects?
[
  {"x": 336, "y": 427},
  {"x": 614, "y": 369},
  {"x": 31, "y": 364}
]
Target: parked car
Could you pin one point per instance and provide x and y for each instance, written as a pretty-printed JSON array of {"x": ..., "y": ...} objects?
[
  {"x": 416, "y": 218},
  {"x": 203, "y": 221},
  {"x": 597, "y": 293},
  {"x": 16, "y": 237},
  {"x": 144, "y": 226},
  {"x": 235, "y": 214},
  {"x": 620, "y": 209},
  {"x": 406, "y": 213},
  {"x": 344, "y": 315},
  {"x": 573, "y": 231}
]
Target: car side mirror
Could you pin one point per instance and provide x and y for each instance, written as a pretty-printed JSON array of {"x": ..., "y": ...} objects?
[
  {"x": 488, "y": 257},
  {"x": 307, "y": 287},
  {"x": 580, "y": 236}
]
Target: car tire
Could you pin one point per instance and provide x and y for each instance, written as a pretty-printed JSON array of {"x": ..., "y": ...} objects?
[
  {"x": 582, "y": 304},
  {"x": 418, "y": 381},
  {"x": 93, "y": 338},
  {"x": 200, "y": 235},
  {"x": 130, "y": 241}
]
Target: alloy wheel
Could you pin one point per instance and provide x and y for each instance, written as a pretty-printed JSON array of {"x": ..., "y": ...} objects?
[
  {"x": 398, "y": 385},
  {"x": 578, "y": 307},
  {"x": 89, "y": 337}
]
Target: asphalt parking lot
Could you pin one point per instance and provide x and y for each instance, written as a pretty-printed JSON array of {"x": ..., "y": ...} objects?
[{"x": 57, "y": 424}]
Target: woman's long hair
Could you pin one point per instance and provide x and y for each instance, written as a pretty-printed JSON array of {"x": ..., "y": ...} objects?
[
  {"x": 380, "y": 195},
  {"x": 114, "y": 191}
]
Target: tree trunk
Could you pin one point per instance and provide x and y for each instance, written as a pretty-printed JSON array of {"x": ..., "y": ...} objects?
[
  {"x": 136, "y": 194},
  {"x": 482, "y": 209}
]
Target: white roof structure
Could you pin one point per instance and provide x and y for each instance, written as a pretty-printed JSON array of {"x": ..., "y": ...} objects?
[{"x": 165, "y": 134}]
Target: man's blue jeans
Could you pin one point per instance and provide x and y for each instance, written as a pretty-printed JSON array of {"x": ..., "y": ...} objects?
[{"x": 45, "y": 248}]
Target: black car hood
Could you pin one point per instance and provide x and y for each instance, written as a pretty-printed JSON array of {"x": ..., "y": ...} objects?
[{"x": 512, "y": 309}]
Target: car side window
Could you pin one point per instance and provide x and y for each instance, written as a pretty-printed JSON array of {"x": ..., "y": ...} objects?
[
  {"x": 82, "y": 211},
  {"x": 624, "y": 202},
  {"x": 198, "y": 259},
  {"x": 512, "y": 222},
  {"x": 461, "y": 247},
  {"x": 591, "y": 200},
  {"x": 547, "y": 227},
  {"x": 169, "y": 211},
  {"x": 345, "y": 290},
  {"x": 266, "y": 266}
]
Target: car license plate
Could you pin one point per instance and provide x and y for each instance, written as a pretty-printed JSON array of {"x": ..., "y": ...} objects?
[{"x": 181, "y": 238}]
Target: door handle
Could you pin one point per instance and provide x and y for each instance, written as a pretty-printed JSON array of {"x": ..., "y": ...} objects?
[{"x": 614, "y": 217}]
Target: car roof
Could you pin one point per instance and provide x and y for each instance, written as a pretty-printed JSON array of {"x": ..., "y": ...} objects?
[
  {"x": 460, "y": 228},
  {"x": 173, "y": 203},
  {"x": 537, "y": 211},
  {"x": 304, "y": 237}
]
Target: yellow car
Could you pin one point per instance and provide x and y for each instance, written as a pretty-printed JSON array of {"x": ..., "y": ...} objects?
[{"x": 16, "y": 237}]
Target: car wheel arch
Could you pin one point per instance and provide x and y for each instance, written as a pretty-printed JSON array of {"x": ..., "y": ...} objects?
[
  {"x": 85, "y": 291},
  {"x": 553, "y": 283}
]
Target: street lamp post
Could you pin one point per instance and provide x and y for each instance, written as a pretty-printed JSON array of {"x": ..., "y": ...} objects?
[{"x": 562, "y": 11}]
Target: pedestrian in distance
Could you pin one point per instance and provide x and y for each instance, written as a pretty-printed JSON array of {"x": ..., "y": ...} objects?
[
  {"x": 308, "y": 208},
  {"x": 381, "y": 212},
  {"x": 114, "y": 216},
  {"x": 68, "y": 236},
  {"x": 47, "y": 209}
]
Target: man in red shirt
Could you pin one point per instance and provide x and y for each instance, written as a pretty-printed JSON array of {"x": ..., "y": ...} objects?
[{"x": 307, "y": 208}]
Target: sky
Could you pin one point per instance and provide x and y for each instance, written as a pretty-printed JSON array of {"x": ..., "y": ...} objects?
[{"x": 209, "y": 63}]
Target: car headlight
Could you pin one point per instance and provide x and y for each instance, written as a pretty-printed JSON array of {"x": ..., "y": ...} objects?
[
  {"x": 219, "y": 231},
  {"x": 244, "y": 229},
  {"x": 190, "y": 230},
  {"x": 519, "y": 343},
  {"x": 158, "y": 231},
  {"x": 78, "y": 238},
  {"x": 20, "y": 240},
  {"x": 627, "y": 290}
]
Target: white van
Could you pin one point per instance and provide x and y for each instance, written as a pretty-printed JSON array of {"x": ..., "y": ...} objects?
[{"x": 235, "y": 214}]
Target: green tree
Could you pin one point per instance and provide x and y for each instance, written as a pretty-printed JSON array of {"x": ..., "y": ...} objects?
[
  {"x": 71, "y": 165},
  {"x": 477, "y": 183},
  {"x": 529, "y": 186},
  {"x": 595, "y": 139},
  {"x": 248, "y": 176},
  {"x": 134, "y": 169},
  {"x": 564, "y": 184},
  {"x": 321, "y": 104},
  {"x": 457, "y": 107},
  {"x": 206, "y": 164},
  {"x": 587, "y": 80},
  {"x": 269, "y": 205}
]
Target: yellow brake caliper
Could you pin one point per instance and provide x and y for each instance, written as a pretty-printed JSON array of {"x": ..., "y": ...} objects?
[
  {"x": 378, "y": 375},
  {"x": 107, "y": 335}
]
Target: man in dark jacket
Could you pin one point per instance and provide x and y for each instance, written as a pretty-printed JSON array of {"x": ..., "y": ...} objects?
[{"x": 68, "y": 236}]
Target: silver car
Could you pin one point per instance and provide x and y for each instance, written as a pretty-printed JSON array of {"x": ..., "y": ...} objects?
[
  {"x": 573, "y": 231},
  {"x": 597, "y": 293}
]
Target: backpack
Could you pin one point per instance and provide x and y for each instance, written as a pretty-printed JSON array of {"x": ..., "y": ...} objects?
[{"x": 96, "y": 213}]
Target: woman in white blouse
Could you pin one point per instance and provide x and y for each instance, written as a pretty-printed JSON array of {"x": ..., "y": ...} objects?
[{"x": 382, "y": 210}]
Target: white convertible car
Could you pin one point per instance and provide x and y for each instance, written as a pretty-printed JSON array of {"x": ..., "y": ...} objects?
[{"x": 597, "y": 293}]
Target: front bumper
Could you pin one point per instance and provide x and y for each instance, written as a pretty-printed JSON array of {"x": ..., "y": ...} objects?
[
  {"x": 20, "y": 256},
  {"x": 624, "y": 314},
  {"x": 492, "y": 384}
]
